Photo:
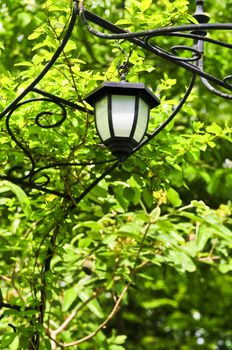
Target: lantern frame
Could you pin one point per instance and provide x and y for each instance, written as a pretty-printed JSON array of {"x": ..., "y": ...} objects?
[{"x": 122, "y": 146}]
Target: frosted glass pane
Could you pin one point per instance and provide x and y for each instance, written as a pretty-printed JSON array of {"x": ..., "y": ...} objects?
[
  {"x": 143, "y": 116},
  {"x": 101, "y": 118},
  {"x": 123, "y": 109}
]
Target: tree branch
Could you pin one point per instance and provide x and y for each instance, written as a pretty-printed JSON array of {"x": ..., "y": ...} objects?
[
  {"x": 9, "y": 306},
  {"x": 101, "y": 326},
  {"x": 74, "y": 312},
  {"x": 16, "y": 307}
]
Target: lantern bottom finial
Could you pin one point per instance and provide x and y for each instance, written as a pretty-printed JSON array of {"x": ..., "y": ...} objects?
[{"x": 120, "y": 147}]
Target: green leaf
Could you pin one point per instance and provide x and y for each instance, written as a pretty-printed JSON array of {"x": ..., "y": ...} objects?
[
  {"x": 20, "y": 194},
  {"x": 202, "y": 237},
  {"x": 122, "y": 201},
  {"x": 182, "y": 261},
  {"x": 116, "y": 347},
  {"x": 47, "y": 344},
  {"x": 110, "y": 240},
  {"x": 7, "y": 339},
  {"x": 192, "y": 19},
  {"x": 100, "y": 191},
  {"x": 214, "y": 129},
  {"x": 147, "y": 277},
  {"x": 145, "y": 4},
  {"x": 147, "y": 197},
  {"x": 120, "y": 339},
  {"x": 226, "y": 267},
  {"x": 93, "y": 305},
  {"x": 123, "y": 21},
  {"x": 156, "y": 303},
  {"x": 70, "y": 296},
  {"x": 155, "y": 214},
  {"x": 132, "y": 229},
  {"x": 35, "y": 35},
  {"x": 174, "y": 197},
  {"x": 129, "y": 193},
  {"x": 137, "y": 196},
  {"x": 94, "y": 225}
]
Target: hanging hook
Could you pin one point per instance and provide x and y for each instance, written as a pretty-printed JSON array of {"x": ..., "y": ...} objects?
[{"x": 123, "y": 68}]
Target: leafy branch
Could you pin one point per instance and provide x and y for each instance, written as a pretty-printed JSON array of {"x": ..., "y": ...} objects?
[{"x": 100, "y": 327}]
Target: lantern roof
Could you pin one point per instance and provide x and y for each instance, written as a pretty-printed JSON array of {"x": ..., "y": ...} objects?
[{"x": 123, "y": 88}]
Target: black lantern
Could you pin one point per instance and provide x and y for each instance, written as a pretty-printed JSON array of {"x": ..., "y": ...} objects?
[{"x": 121, "y": 114}]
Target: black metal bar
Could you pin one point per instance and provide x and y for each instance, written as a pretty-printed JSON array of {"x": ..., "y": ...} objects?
[
  {"x": 194, "y": 69},
  {"x": 211, "y": 88},
  {"x": 133, "y": 37},
  {"x": 135, "y": 120},
  {"x": 200, "y": 37},
  {"x": 123, "y": 34},
  {"x": 49, "y": 64},
  {"x": 110, "y": 115},
  {"x": 25, "y": 185},
  {"x": 63, "y": 101},
  {"x": 66, "y": 164},
  {"x": 171, "y": 117},
  {"x": 94, "y": 183}
]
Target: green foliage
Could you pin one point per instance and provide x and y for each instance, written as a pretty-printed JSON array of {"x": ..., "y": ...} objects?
[{"x": 144, "y": 260}]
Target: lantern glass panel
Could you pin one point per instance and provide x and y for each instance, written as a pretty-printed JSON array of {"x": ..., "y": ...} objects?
[
  {"x": 101, "y": 118},
  {"x": 143, "y": 115},
  {"x": 123, "y": 113}
]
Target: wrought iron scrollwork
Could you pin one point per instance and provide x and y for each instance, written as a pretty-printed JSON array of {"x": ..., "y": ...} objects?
[
  {"x": 28, "y": 173},
  {"x": 196, "y": 55},
  {"x": 228, "y": 79},
  {"x": 197, "y": 32},
  {"x": 41, "y": 115},
  {"x": 31, "y": 172}
]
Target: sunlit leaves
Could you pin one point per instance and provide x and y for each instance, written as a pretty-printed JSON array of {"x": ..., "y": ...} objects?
[
  {"x": 6, "y": 186},
  {"x": 161, "y": 222}
]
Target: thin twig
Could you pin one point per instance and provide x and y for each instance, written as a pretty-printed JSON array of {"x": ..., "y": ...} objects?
[
  {"x": 74, "y": 312},
  {"x": 101, "y": 326}
]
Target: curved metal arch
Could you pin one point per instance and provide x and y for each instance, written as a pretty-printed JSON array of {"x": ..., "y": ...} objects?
[
  {"x": 28, "y": 176},
  {"x": 27, "y": 179},
  {"x": 151, "y": 32},
  {"x": 198, "y": 37},
  {"x": 200, "y": 65},
  {"x": 141, "y": 38},
  {"x": 49, "y": 65},
  {"x": 174, "y": 49},
  {"x": 172, "y": 115},
  {"x": 37, "y": 121},
  {"x": 195, "y": 69},
  {"x": 213, "y": 89}
]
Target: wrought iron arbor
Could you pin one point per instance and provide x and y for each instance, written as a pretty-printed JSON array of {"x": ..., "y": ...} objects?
[{"x": 27, "y": 175}]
